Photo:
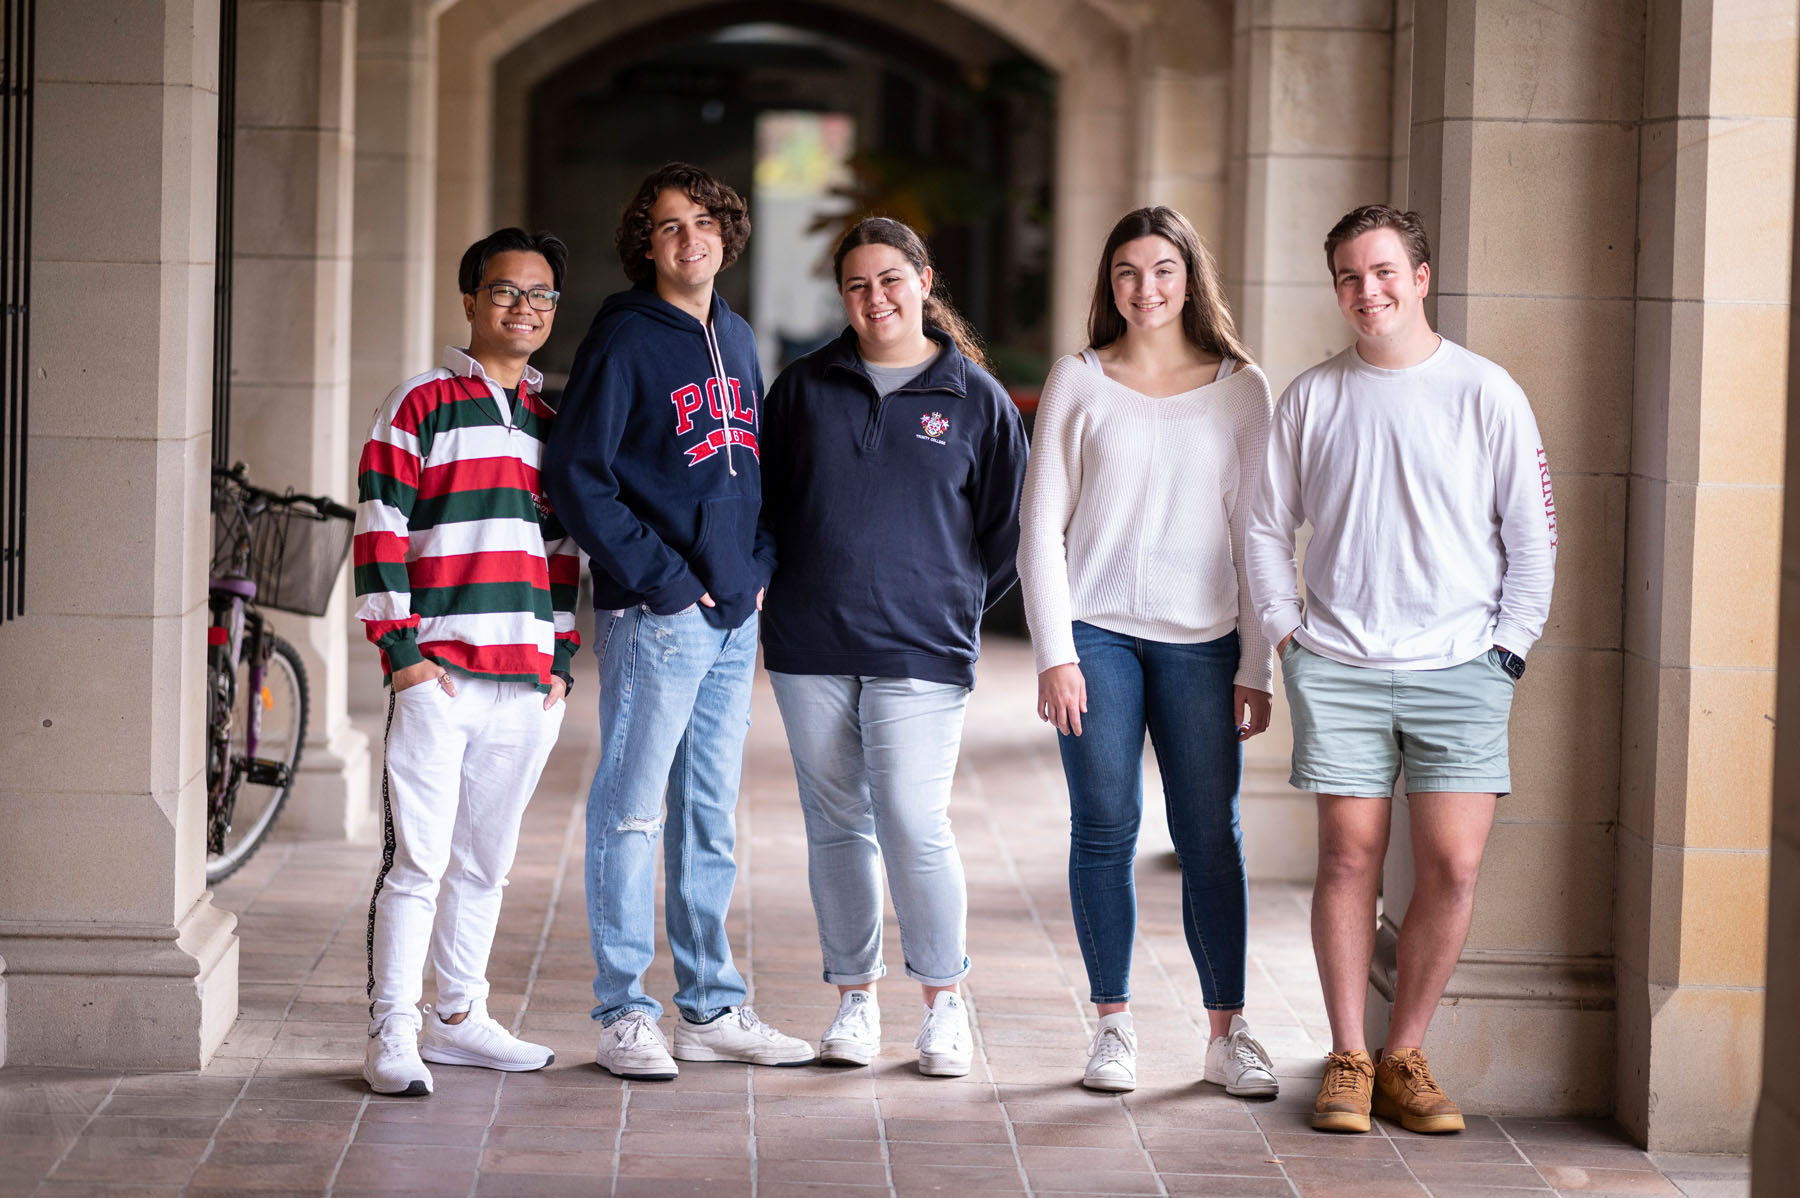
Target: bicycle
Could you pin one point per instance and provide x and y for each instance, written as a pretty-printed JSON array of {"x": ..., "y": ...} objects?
[{"x": 279, "y": 550}]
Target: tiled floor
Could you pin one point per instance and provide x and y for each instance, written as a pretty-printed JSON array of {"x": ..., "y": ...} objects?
[{"x": 282, "y": 1109}]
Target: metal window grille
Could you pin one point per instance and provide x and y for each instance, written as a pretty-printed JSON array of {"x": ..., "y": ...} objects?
[
  {"x": 222, "y": 240},
  {"x": 16, "y": 73}
]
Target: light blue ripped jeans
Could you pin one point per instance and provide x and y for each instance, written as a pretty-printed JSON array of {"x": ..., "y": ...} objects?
[{"x": 674, "y": 707}]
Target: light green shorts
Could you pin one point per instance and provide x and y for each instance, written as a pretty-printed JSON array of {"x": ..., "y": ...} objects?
[{"x": 1356, "y": 726}]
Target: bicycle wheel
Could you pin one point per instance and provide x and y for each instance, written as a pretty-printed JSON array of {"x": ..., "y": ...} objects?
[{"x": 259, "y": 785}]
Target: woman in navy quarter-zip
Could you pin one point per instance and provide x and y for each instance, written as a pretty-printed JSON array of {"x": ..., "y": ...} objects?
[{"x": 892, "y": 467}]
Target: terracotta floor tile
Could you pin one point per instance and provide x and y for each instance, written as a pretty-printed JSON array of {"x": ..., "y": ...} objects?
[
  {"x": 1324, "y": 1177},
  {"x": 675, "y": 1140},
  {"x": 1444, "y": 1173},
  {"x": 641, "y": 1187},
  {"x": 257, "y": 1178},
  {"x": 1607, "y": 1181},
  {"x": 957, "y": 1179},
  {"x": 946, "y": 1131},
  {"x": 1229, "y": 1186},
  {"x": 776, "y": 1174},
  {"x": 686, "y": 1168},
  {"x": 806, "y": 1148},
  {"x": 542, "y": 1185},
  {"x": 546, "y": 1160},
  {"x": 1100, "y": 1181}
]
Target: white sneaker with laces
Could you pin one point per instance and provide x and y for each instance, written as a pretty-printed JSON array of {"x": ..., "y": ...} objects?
[
  {"x": 854, "y": 1037},
  {"x": 391, "y": 1064},
  {"x": 944, "y": 1044},
  {"x": 480, "y": 1040},
  {"x": 738, "y": 1035},
  {"x": 1237, "y": 1062},
  {"x": 1112, "y": 1058},
  {"x": 632, "y": 1047}
]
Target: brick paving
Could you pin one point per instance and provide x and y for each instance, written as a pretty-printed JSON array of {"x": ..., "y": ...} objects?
[{"x": 282, "y": 1108}]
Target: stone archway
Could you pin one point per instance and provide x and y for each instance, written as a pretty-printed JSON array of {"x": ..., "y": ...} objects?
[{"x": 1092, "y": 50}]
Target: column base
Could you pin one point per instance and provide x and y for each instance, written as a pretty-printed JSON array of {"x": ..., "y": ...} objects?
[
  {"x": 331, "y": 798},
  {"x": 1514, "y": 1034},
  {"x": 121, "y": 996},
  {"x": 1281, "y": 826}
]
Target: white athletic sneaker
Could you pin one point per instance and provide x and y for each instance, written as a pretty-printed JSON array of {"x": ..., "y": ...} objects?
[
  {"x": 738, "y": 1035},
  {"x": 1240, "y": 1064},
  {"x": 632, "y": 1046},
  {"x": 854, "y": 1037},
  {"x": 391, "y": 1063},
  {"x": 480, "y": 1040},
  {"x": 945, "y": 1048},
  {"x": 1112, "y": 1058}
]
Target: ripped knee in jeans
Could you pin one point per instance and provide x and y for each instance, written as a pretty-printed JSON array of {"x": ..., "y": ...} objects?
[{"x": 649, "y": 825}]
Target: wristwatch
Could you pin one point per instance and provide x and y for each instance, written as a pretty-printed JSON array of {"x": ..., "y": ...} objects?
[{"x": 1512, "y": 663}]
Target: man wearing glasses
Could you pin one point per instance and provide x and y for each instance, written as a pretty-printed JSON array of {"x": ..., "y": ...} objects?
[
  {"x": 467, "y": 585},
  {"x": 654, "y": 466}
]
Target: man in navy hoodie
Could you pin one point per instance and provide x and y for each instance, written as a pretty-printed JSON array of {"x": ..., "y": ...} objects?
[{"x": 653, "y": 466}]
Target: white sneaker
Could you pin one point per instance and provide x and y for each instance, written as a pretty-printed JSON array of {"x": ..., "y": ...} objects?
[
  {"x": 632, "y": 1046},
  {"x": 391, "y": 1064},
  {"x": 738, "y": 1035},
  {"x": 480, "y": 1040},
  {"x": 1240, "y": 1064},
  {"x": 1112, "y": 1058},
  {"x": 945, "y": 1047},
  {"x": 854, "y": 1037}
]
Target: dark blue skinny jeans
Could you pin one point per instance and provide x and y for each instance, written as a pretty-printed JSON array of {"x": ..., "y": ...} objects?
[{"x": 1181, "y": 695}]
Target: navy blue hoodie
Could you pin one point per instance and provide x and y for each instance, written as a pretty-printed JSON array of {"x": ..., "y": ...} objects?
[
  {"x": 652, "y": 464},
  {"x": 896, "y": 521}
]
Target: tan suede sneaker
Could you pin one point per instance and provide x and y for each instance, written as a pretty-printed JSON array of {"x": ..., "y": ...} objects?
[
  {"x": 1406, "y": 1094},
  {"x": 1343, "y": 1103}
]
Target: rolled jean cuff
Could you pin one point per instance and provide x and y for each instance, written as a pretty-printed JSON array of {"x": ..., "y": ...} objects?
[
  {"x": 622, "y": 1012},
  {"x": 1225, "y": 1006},
  {"x": 856, "y": 979},
  {"x": 1097, "y": 999},
  {"x": 925, "y": 980}
]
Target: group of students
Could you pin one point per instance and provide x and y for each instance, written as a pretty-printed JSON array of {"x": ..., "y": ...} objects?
[{"x": 859, "y": 517}]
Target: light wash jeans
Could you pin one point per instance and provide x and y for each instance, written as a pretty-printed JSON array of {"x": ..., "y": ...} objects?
[
  {"x": 874, "y": 758},
  {"x": 459, "y": 771},
  {"x": 674, "y": 707}
]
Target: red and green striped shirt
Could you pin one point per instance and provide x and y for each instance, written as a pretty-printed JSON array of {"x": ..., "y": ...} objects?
[{"x": 459, "y": 557}]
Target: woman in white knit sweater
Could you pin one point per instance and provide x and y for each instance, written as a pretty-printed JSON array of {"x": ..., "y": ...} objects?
[{"x": 1146, "y": 456}]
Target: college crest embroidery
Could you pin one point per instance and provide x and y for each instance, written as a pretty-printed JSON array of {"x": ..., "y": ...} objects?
[{"x": 935, "y": 424}]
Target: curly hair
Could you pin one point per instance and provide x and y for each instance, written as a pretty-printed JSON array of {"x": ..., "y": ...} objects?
[{"x": 726, "y": 206}]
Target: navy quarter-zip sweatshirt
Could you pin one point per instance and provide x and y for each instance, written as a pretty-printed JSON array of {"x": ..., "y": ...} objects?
[
  {"x": 653, "y": 462},
  {"x": 895, "y": 521}
]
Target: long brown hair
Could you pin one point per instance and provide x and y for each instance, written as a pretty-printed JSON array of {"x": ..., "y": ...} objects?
[
  {"x": 883, "y": 230},
  {"x": 1205, "y": 317}
]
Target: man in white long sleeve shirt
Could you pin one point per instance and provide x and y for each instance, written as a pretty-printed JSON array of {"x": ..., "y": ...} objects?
[{"x": 1428, "y": 580}]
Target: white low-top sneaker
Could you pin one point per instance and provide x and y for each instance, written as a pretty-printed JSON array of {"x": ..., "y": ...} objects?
[
  {"x": 854, "y": 1037},
  {"x": 1112, "y": 1058},
  {"x": 391, "y": 1064},
  {"x": 632, "y": 1046},
  {"x": 1237, "y": 1062},
  {"x": 738, "y": 1035},
  {"x": 945, "y": 1047},
  {"x": 480, "y": 1040}
]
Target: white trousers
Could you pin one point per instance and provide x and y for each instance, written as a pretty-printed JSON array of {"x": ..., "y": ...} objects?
[{"x": 460, "y": 770}]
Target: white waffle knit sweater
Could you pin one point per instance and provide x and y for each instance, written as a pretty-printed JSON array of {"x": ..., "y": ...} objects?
[{"x": 1134, "y": 511}]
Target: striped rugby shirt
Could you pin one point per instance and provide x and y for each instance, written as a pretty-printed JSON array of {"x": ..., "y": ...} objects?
[{"x": 459, "y": 558}]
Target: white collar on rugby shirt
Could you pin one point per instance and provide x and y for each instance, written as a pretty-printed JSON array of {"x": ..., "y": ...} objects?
[{"x": 458, "y": 362}]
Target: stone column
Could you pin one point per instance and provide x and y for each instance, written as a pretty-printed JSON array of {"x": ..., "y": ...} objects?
[
  {"x": 1775, "y": 1155},
  {"x": 1523, "y": 163},
  {"x": 291, "y": 337},
  {"x": 1715, "y": 215},
  {"x": 1309, "y": 140},
  {"x": 391, "y": 268},
  {"x": 115, "y": 955}
]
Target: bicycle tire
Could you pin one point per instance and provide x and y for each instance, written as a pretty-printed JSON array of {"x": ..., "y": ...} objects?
[{"x": 261, "y": 804}]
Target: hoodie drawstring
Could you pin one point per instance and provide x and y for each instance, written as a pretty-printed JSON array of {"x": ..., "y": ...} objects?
[{"x": 718, "y": 365}]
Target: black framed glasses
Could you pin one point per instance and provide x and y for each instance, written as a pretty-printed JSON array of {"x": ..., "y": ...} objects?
[{"x": 505, "y": 295}]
